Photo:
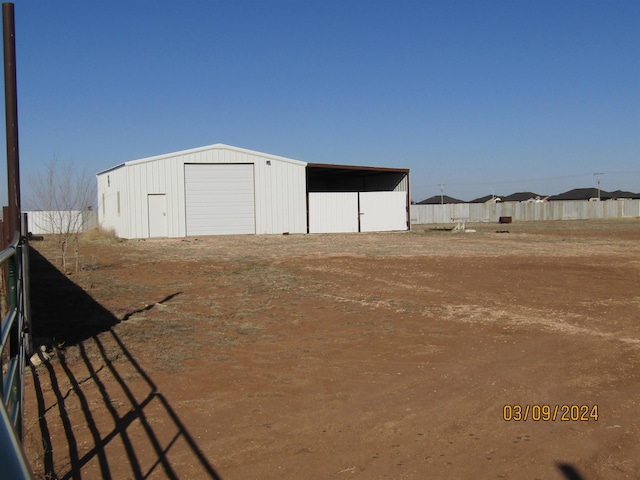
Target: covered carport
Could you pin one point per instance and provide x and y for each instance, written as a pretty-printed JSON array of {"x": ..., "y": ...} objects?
[{"x": 344, "y": 198}]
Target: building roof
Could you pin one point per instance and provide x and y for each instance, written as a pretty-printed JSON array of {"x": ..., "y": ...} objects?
[
  {"x": 521, "y": 197},
  {"x": 327, "y": 170},
  {"x": 581, "y": 194},
  {"x": 623, "y": 194},
  {"x": 484, "y": 199},
  {"x": 216, "y": 146},
  {"x": 438, "y": 199}
]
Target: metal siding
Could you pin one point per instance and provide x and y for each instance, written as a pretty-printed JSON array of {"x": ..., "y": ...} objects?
[
  {"x": 109, "y": 184},
  {"x": 383, "y": 211},
  {"x": 121, "y": 184},
  {"x": 333, "y": 212},
  {"x": 556, "y": 210},
  {"x": 46, "y": 222},
  {"x": 263, "y": 187},
  {"x": 279, "y": 196},
  {"x": 138, "y": 224},
  {"x": 219, "y": 199},
  {"x": 403, "y": 186},
  {"x": 175, "y": 208},
  {"x": 152, "y": 178}
]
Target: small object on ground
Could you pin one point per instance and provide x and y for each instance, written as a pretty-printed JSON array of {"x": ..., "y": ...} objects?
[
  {"x": 442, "y": 229},
  {"x": 461, "y": 223},
  {"x": 39, "y": 357},
  {"x": 502, "y": 231}
]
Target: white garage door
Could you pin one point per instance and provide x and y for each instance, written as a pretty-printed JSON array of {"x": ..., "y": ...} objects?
[{"x": 219, "y": 199}]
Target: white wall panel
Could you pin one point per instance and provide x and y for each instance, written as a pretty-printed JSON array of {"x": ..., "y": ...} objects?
[
  {"x": 42, "y": 222},
  {"x": 383, "y": 211},
  {"x": 113, "y": 192},
  {"x": 280, "y": 189},
  {"x": 333, "y": 212}
]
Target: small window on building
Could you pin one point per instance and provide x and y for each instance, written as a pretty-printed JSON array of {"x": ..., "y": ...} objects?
[
  {"x": 118, "y": 202},
  {"x": 103, "y": 209}
]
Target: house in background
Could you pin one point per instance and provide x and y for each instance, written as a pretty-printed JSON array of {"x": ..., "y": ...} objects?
[
  {"x": 523, "y": 197},
  {"x": 623, "y": 194},
  {"x": 582, "y": 194},
  {"x": 439, "y": 199},
  {"x": 487, "y": 199}
]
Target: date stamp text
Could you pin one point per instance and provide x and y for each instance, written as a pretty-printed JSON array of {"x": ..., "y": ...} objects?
[{"x": 550, "y": 413}]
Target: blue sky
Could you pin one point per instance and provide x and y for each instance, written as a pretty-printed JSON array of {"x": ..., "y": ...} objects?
[{"x": 480, "y": 96}]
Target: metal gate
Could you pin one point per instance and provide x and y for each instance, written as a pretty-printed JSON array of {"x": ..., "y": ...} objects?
[{"x": 344, "y": 212}]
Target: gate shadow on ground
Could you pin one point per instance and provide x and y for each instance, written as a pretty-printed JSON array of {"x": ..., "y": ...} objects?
[
  {"x": 102, "y": 394},
  {"x": 569, "y": 472}
]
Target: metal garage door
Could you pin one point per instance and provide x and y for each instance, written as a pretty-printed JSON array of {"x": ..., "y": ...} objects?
[{"x": 219, "y": 199}]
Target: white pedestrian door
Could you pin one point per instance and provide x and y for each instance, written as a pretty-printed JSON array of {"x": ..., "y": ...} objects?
[{"x": 157, "y": 204}]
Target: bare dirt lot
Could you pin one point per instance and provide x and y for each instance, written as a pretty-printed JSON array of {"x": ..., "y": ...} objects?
[{"x": 342, "y": 356}]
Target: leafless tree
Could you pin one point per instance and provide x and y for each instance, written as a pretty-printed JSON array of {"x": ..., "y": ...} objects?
[{"x": 63, "y": 193}]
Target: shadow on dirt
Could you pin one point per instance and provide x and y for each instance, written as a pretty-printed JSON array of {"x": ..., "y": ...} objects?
[
  {"x": 569, "y": 472},
  {"x": 102, "y": 394},
  {"x": 61, "y": 310},
  {"x": 149, "y": 307}
]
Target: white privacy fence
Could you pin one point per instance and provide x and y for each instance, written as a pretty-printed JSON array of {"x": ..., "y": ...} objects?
[
  {"x": 44, "y": 222},
  {"x": 520, "y": 211}
]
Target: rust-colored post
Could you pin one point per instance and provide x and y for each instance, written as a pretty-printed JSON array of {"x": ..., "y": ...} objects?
[
  {"x": 5, "y": 227},
  {"x": 11, "y": 113},
  {"x": 4, "y": 268}
]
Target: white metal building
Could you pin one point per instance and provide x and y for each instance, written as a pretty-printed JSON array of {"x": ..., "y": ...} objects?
[{"x": 219, "y": 190}]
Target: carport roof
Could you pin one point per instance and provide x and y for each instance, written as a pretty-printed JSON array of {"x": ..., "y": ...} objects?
[
  {"x": 328, "y": 170},
  {"x": 324, "y": 177}
]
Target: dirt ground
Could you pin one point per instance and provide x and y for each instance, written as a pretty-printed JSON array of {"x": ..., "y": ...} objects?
[{"x": 399, "y": 356}]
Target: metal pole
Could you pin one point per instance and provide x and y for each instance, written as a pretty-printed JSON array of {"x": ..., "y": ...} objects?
[
  {"x": 598, "y": 178},
  {"x": 26, "y": 286},
  {"x": 11, "y": 112}
]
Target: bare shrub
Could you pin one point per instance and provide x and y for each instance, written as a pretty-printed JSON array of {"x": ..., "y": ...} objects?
[{"x": 65, "y": 193}]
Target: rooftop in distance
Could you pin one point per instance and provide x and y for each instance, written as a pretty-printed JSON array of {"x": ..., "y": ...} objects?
[{"x": 575, "y": 194}]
